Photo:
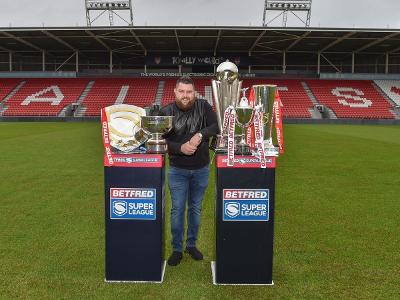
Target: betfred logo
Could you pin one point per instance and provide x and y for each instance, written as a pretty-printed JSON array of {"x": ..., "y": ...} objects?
[
  {"x": 132, "y": 193},
  {"x": 246, "y": 194},
  {"x": 245, "y": 204},
  {"x": 133, "y": 203}
]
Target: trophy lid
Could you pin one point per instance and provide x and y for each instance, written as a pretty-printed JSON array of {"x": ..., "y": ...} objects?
[{"x": 227, "y": 66}]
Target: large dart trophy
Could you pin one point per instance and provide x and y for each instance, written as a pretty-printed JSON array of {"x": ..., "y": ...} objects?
[
  {"x": 245, "y": 179},
  {"x": 232, "y": 110},
  {"x": 226, "y": 90},
  {"x": 134, "y": 193}
]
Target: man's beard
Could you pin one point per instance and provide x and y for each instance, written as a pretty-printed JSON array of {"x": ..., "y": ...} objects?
[{"x": 185, "y": 107}]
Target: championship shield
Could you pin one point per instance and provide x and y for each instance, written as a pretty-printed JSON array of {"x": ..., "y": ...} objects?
[{"x": 126, "y": 135}]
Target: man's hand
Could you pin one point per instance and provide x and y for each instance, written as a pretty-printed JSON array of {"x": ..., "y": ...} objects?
[
  {"x": 188, "y": 149},
  {"x": 196, "y": 140}
]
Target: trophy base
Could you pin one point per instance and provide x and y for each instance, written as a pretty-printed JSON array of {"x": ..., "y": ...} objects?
[
  {"x": 221, "y": 151},
  {"x": 270, "y": 149},
  {"x": 242, "y": 149},
  {"x": 220, "y": 144},
  {"x": 158, "y": 147}
]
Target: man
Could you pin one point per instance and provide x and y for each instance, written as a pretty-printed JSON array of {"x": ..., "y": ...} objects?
[{"x": 194, "y": 123}]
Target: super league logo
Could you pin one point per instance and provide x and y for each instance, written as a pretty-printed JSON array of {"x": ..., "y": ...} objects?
[
  {"x": 232, "y": 209},
  {"x": 120, "y": 208}
]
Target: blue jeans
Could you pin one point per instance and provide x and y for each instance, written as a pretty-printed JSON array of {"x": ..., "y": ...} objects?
[{"x": 186, "y": 186}]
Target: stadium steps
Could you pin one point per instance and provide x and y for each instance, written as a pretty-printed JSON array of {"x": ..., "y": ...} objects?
[
  {"x": 122, "y": 94},
  {"x": 3, "y": 106},
  {"x": 331, "y": 113},
  {"x": 81, "y": 108},
  {"x": 63, "y": 111},
  {"x": 315, "y": 113},
  {"x": 85, "y": 92},
  {"x": 160, "y": 92},
  {"x": 309, "y": 93},
  {"x": 80, "y": 111},
  {"x": 395, "y": 111}
]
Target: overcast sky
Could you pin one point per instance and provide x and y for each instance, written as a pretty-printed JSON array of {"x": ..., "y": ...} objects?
[{"x": 325, "y": 13}]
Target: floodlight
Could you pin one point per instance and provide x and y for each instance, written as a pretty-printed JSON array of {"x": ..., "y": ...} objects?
[{"x": 286, "y": 7}]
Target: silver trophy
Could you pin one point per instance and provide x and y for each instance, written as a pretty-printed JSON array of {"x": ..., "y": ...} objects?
[
  {"x": 264, "y": 95},
  {"x": 244, "y": 117},
  {"x": 157, "y": 126},
  {"x": 226, "y": 90}
]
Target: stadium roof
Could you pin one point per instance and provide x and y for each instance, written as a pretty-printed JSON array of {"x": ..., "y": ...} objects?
[{"x": 210, "y": 40}]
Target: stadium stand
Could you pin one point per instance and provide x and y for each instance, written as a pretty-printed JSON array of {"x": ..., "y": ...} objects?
[
  {"x": 47, "y": 97},
  {"x": 391, "y": 88},
  {"x": 6, "y": 86},
  {"x": 351, "y": 98},
  {"x": 44, "y": 97},
  {"x": 203, "y": 90},
  {"x": 105, "y": 92},
  {"x": 296, "y": 103}
]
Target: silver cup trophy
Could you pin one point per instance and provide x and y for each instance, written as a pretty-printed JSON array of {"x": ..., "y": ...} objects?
[
  {"x": 157, "y": 126},
  {"x": 226, "y": 90},
  {"x": 244, "y": 117},
  {"x": 264, "y": 95}
]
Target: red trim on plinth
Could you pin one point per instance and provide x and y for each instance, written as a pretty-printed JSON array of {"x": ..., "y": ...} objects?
[
  {"x": 134, "y": 160},
  {"x": 245, "y": 161}
]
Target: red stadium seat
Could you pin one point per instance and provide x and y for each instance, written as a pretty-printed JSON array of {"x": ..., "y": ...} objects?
[
  {"x": 296, "y": 103},
  {"x": 106, "y": 91},
  {"x": 202, "y": 85},
  {"x": 351, "y": 98},
  {"x": 45, "y": 96},
  {"x": 295, "y": 100},
  {"x": 6, "y": 86},
  {"x": 391, "y": 88}
]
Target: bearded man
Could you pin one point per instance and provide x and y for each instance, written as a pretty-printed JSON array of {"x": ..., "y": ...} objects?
[{"x": 188, "y": 149}]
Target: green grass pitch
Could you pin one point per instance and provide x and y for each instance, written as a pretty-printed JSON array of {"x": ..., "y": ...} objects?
[{"x": 337, "y": 229}]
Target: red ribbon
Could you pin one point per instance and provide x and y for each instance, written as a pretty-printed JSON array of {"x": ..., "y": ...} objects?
[
  {"x": 250, "y": 138},
  {"x": 231, "y": 136},
  {"x": 259, "y": 137},
  {"x": 108, "y": 158},
  {"x": 278, "y": 121},
  {"x": 226, "y": 120}
]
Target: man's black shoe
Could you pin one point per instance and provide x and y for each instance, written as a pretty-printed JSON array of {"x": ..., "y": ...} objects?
[
  {"x": 194, "y": 253},
  {"x": 175, "y": 258}
]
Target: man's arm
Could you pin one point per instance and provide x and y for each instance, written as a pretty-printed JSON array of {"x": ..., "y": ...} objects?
[
  {"x": 173, "y": 147},
  {"x": 212, "y": 128}
]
